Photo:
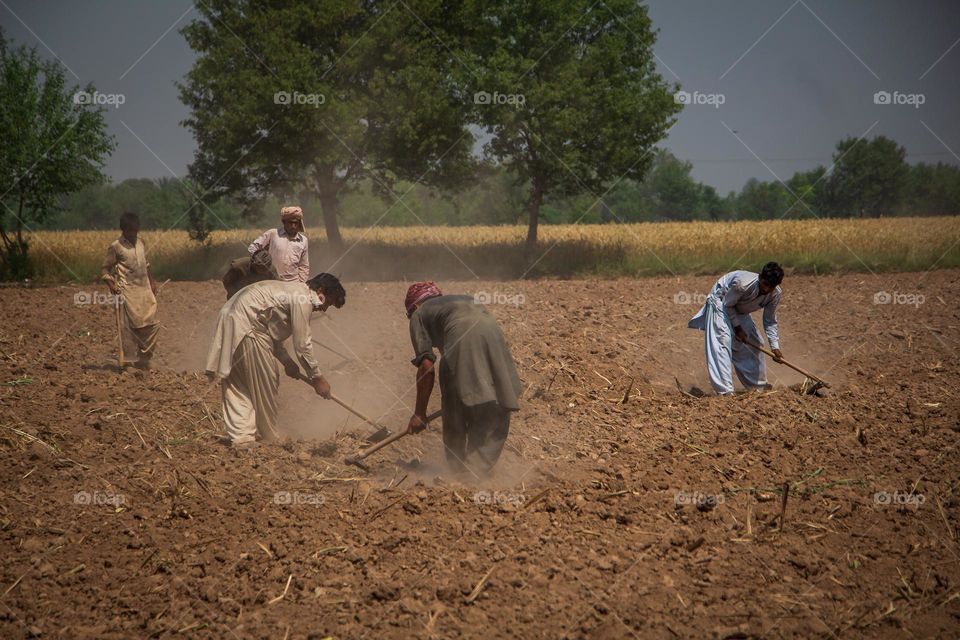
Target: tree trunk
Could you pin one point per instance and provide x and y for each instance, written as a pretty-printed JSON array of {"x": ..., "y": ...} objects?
[
  {"x": 426, "y": 204},
  {"x": 14, "y": 258},
  {"x": 331, "y": 212},
  {"x": 328, "y": 192},
  {"x": 20, "y": 219},
  {"x": 6, "y": 239},
  {"x": 533, "y": 211}
]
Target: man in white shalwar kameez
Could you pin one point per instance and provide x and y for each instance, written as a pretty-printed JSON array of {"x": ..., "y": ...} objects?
[
  {"x": 726, "y": 315},
  {"x": 288, "y": 246},
  {"x": 248, "y": 341}
]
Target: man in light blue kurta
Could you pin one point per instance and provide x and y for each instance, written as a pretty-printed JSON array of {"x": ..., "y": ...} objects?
[{"x": 726, "y": 322}]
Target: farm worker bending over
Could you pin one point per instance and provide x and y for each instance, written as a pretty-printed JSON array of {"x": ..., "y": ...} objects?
[
  {"x": 479, "y": 385},
  {"x": 726, "y": 315},
  {"x": 248, "y": 341},
  {"x": 127, "y": 272},
  {"x": 287, "y": 246},
  {"x": 246, "y": 271}
]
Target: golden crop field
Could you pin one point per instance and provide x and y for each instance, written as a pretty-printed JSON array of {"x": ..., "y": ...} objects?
[{"x": 379, "y": 253}]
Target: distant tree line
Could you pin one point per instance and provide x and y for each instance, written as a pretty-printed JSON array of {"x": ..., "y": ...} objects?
[{"x": 869, "y": 179}]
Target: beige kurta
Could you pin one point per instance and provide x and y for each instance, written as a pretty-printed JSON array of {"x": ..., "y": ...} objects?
[
  {"x": 251, "y": 328},
  {"x": 279, "y": 309},
  {"x": 126, "y": 266}
]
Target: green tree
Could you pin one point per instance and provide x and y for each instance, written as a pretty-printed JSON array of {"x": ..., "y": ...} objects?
[
  {"x": 160, "y": 202},
  {"x": 674, "y": 193},
  {"x": 762, "y": 200},
  {"x": 53, "y": 144},
  {"x": 87, "y": 208},
  {"x": 807, "y": 191},
  {"x": 713, "y": 206},
  {"x": 498, "y": 197},
  {"x": 567, "y": 91},
  {"x": 932, "y": 190},
  {"x": 868, "y": 177},
  {"x": 294, "y": 97},
  {"x": 627, "y": 201}
]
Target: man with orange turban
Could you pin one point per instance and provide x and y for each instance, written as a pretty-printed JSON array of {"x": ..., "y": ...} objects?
[{"x": 287, "y": 245}]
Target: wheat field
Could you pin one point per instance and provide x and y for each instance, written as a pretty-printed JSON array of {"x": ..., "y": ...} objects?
[{"x": 387, "y": 253}]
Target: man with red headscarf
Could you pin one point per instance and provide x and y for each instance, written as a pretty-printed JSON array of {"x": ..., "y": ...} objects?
[
  {"x": 479, "y": 385},
  {"x": 287, "y": 245}
]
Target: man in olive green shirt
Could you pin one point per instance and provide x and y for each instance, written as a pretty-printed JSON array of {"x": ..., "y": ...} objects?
[{"x": 479, "y": 385}]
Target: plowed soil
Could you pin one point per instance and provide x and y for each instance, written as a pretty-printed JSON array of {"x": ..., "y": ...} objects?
[{"x": 624, "y": 505}]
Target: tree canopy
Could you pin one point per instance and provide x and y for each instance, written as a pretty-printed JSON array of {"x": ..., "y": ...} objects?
[
  {"x": 303, "y": 100},
  {"x": 54, "y": 142},
  {"x": 568, "y": 92}
]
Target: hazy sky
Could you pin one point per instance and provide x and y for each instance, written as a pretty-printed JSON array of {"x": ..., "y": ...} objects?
[{"x": 793, "y": 76}]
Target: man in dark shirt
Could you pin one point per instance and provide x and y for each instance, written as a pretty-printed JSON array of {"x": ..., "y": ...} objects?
[
  {"x": 479, "y": 385},
  {"x": 246, "y": 271}
]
